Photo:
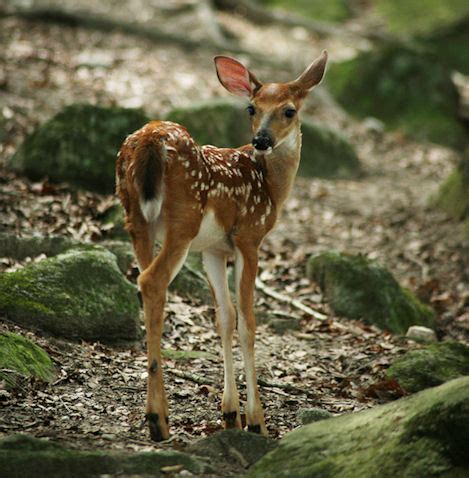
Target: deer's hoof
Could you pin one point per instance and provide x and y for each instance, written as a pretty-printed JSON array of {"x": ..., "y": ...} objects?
[
  {"x": 231, "y": 420},
  {"x": 158, "y": 431},
  {"x": 254, "y": 428}
]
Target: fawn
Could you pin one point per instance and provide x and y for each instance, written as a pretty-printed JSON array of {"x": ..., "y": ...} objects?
[{"x": 221, "y": 202}]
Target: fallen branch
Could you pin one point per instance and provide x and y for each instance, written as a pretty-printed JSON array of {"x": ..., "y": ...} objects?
[
  {"x": 288, "y": 300},
  {"x": 191, "y": 377}
]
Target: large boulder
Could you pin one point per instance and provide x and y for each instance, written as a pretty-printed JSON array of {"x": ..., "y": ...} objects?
[
  {"x": 23, "y": 455},
  {"x": 80, "y": 294},
  {"x": 20, "y": 356},
  {"x": 431, "y": 365},
  {"x": 358, "y": 288},
  {"x": 422, "y": 435},
  {"x": 78, "y": 145},
  {"x": 225, "y": 123},
  {"x": 408, "y": 89}
]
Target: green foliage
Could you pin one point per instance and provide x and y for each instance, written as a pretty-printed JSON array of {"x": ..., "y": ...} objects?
[
  {"x": 330, "y": 10},
  {"x": 80, "y": 294},
  {"x": 358, "y": 288},
  {"x": 19, "y": 355},
  {"x": 424, "y": 435},
  {"x": 22, "y": 455},
  {"x": 430, "y": 366},
  {"x": 413, "y": 17},
  {"x": 78, "y": 145},
  {"x": 407, "y": 89}
]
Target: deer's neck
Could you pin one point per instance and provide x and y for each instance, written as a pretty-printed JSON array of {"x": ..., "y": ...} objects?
[{"x": 281, "y": 167}]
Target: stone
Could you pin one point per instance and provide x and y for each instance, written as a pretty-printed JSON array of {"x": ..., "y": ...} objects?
[
  {"x": 310, "y": 415},
  {"x": 79, "y": 294},
  {"x": 421, "y": 334},
  {"x": 225, "y": 123},
  {"x": 78, "y": 145},
  {"x": 20, "y": 356},
  {"x": 23, "y": 455},
  {"x": 233, "y": 450},
  {"x": 422, "y": 435},
  {"x": 430, "y": 366},
  {"x": 358, "y": 288},
  {"x": 282, "y": 325},
  {"x": 407, "y": 88}
]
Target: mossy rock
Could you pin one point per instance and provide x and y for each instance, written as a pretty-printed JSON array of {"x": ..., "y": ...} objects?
[
  {"x": 453, "y": 196},
  {"x": 80, "y": 294},
  {"x": 422, "y": 435},
  {"x": 191, "y": 282},
  {"x": 358, "y": 288},
  {"x": 20, "y": 248},
  {"x": 21, "y": 356},
  {"x": 326, "y": 153},
  {"x": 23, "y": 455},
  {"x": 409, "y": 90},
  {"x": 233, "y": 450},
  {"x": 225, "y": 123},
  {"x": 310, "y": 415},
  {"x": 412, "y": 17},
  {"x": 431, "y": 366},
  {"x": 330, "y": 11},
  {"x": 78, "y": 145},
  {"x": 115, "y": 220}
]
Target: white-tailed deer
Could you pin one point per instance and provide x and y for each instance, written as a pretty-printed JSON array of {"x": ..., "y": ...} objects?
[{"x": 221, "y": 202}]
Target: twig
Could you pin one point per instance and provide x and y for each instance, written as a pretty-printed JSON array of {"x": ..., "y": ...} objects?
[
  {"x": 288, "y": 300},
  {"x": 191, "y": 377},
  {"x": 284, "y": 386}
]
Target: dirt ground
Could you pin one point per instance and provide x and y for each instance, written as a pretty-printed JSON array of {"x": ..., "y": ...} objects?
[{"x": 97, "y": 398}]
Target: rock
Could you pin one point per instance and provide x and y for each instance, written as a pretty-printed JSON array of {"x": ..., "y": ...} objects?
[
  {"x": 21, "y": 356},
  {"x": 330, "y": 11},
  {"x": 114, "y": 223},
  {"x": 78, "y": 145},
  {"x": 310, "y": 415},
  {"x": 421, "y": 334},
  {"x": 191, "y": 282},
  {"x": 23, "y": 455},
  {"x": 408, "y": 89},
  {"x": 233, "y": 450},
  {"x": 80, "y": 294},
  {"x": 422, "y": 435},
  {"x": 358, "y": 288},
  {"x": 325, "y": 152},
  {"x": 20, "y": 248},
  {"x": 430, "y": 366},
  {"x": 452, "y": 196},
  {"x": 282, "y": 325}
]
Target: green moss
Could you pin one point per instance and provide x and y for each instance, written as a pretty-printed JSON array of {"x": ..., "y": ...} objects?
[
  {"x": 325, "y": 153},
  {"x": 191, "y": 282},
  {"x": 453, "y": 196},
  {"x": 21, "y": 455},
  {"x": 430, "y": 366},
  {"x": 412, "y": 17},
  {"x": 408, "y": 438},
  {"x": 182, "y": 355},
  {"x": 19, "y": 355},
  {"x": 332, "y": 10},
  {"x": 409, "y": 90},
  {"x": 358, "y": 288},
  {"x": 114, "y": 217},
  {"x": 78, "y": 145},
  {"x": 80, "y": 294}
]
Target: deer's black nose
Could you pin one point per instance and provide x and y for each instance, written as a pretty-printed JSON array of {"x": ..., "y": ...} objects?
[{"x": 262, "y": 141}]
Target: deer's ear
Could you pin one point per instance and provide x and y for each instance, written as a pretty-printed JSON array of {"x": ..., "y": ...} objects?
[
  {"x": 234, "y": 76},
  {"x": 313, "y": 75}
]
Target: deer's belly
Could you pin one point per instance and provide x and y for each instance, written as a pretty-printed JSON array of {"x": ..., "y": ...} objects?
[{"x": 211, "y": 235}]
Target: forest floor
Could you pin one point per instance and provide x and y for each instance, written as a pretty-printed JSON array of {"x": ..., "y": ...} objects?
[{"x": 335, "y": 364}]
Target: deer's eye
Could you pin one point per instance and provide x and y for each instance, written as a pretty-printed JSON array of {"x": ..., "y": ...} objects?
[
  {"x": 251, "y": 110},
  {"x": 290, "y": 112}
]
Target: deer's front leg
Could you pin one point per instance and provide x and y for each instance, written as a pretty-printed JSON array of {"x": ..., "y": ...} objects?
[
  {"x": 246, "y": 269},
  {"x": 215, "y": 267},
  {"x": 154, "y": 282}
]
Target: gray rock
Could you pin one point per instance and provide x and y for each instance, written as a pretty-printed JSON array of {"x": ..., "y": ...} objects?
[
  {"x": 310, "y": 415},
  {"x": 80, "y": 294},
  {"x": 421, "y": 334}
]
